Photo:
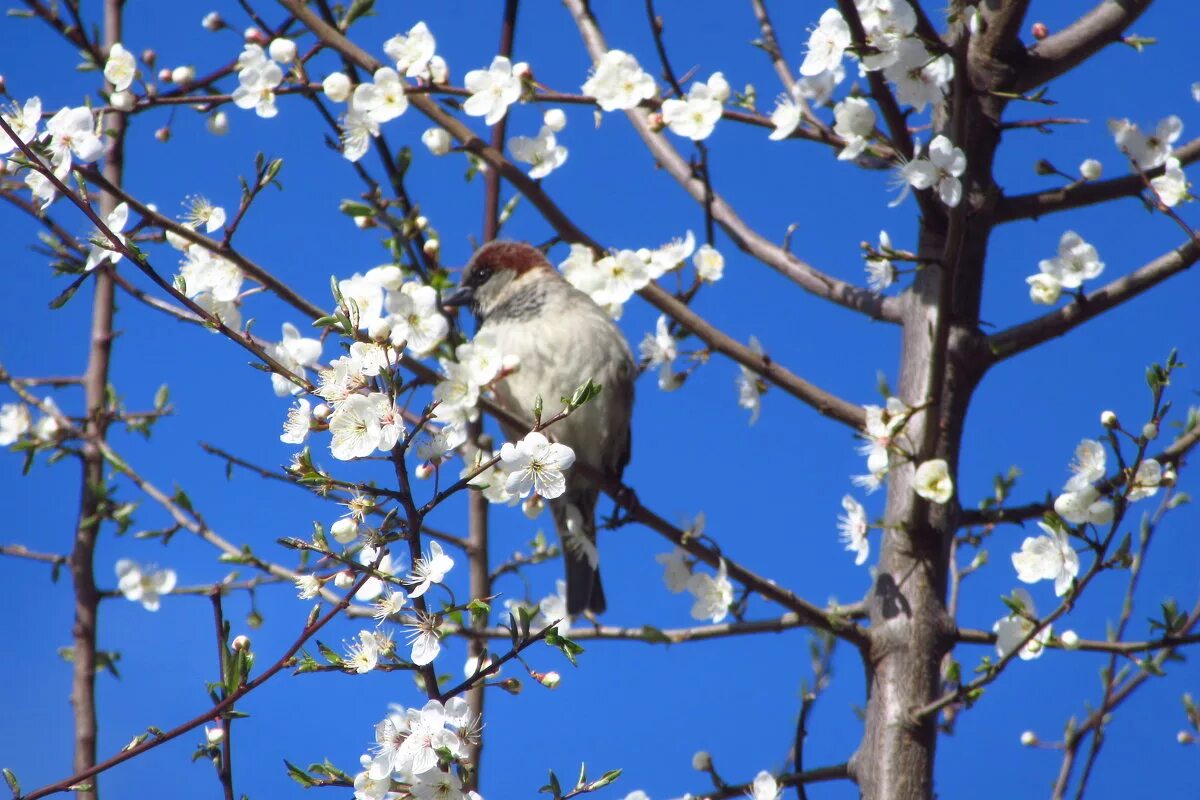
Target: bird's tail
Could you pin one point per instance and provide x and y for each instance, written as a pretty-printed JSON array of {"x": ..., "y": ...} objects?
[{"x": 575, "y": 518}]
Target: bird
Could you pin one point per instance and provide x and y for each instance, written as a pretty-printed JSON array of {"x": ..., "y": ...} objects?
[{"x": 561, "y": 339}]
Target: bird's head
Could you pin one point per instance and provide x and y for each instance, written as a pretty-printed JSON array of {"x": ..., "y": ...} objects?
[{"x": 496, "y": 272}]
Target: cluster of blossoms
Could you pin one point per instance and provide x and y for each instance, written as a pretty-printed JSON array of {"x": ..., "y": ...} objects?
[
  {"x": 259, "y": 75},
  {"x": 941, "y": 170},
  {"x": 16, "y": 421},
  {"x": 1076, "y": 262},
  {"x": 71, "y": 133},
  {"x": 611, "y": 280},
  {"x": 881, "y": 271},
  {"x": 408, "y": 747},
  {"x": 618, "y": 83},
  {"x": 211, "y": 280},
  {"x": 1155, "y": 150},
  {"x": 142, "y": 584},
  {"x": 542, "y": 152},
  {"x": 816, "y": 89},
  {"x": 695, "y": 115},
  {"x": 712, "y": 595}
]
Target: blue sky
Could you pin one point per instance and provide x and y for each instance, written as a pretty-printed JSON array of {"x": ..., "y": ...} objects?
[{"x": 770, "y": 492}]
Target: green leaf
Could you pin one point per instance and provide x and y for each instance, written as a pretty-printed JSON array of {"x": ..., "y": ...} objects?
[
  {"x": 330, "y": 656},
  {"x": 654, "y": 635},
  {"x": 583, "y": 394},
  {"x": 605, "y": 780},
  {"x": 353, "y": 208},
  {"x": 10, "y": 778},
  {"x": 298, "y": 775},
  {"x": 161, "y": 397}
]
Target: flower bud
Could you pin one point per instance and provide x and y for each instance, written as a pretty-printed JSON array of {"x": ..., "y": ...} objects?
[
  {"x": 438, "y": 71},
  {"x": 522, "y": 70},
  {"x": 163, "y": 134},
  {"x": 364, "y": 222},
  {"x": 423, "y": 471},
  {"x": 343, "y": 579},
  {"x": 321, "y": 412},
  {"x": 533, "y": 505},
  {"x": 214, "y": 735},
  {"x": 122, "y": 101},
  {"x": 555, "y": 119},
  {"x": 379, "y": 330},
  {"x": 548, "y": 679},
  {"x": 431, "y": 247},
  {"x": 656, "y": 121},
  {"x": 212, "y": 21},
  {"x": 282, "y": 50},
  {"x": 1091, "y": 169},
  {"x": 421, "y": 222},
  {"x": 1149, "y": 431},
  {"x": 511, "y": 362},
  {"x": 510, "y": 685},
  {"x": 164, "y": 75},
  {"x": 437, "y": 140},
  {"x": 254, "y": 36},
  {"x": 218, "y": 123},
  {"x": 149, "y": 57},
  {"x": 1069, "y": 639},
  {"x": 1029, "y": 738},
  {"x": 1108, "y": 419},
  {"x": 184, "y": 74},
  {"x": 344, "y": 531},
  {"x": 701, "y": 761},
  {"x": 336, "y": 87},
  {"x": 1039, "y": 30},
  {"x": 240, "y": 643},
  {"x": 1185, "y": 737}
]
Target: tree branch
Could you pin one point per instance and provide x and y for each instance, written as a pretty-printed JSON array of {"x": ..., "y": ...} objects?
[{"x": 1063, "y": 51}]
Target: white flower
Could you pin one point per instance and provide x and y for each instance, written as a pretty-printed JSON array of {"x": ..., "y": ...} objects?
[
  {"x": 852, "y": 528},
  {"x": 24, "y": 121},
  {"x": 204, "y": 271},
  {"x": 15, "y": 422},
  {"x": 1076, "y": 261},
  {"x": 1048, "y": 557},
  {"x": 72, "y": 132},
  {"x": 202, "y": 213},
  {"x": 1044, "y": 289},
  {"x": 1172, "y": 186},
  {"x": 492, "y": 90},
  {"x": 416, "y": 319},
  {"x": 920, "y": 78},
  {"x": 941, "y": 170},
  {"x": 552, "y": 609},
  {"x": 710, "y": 264},
  {"x": 933, "y": 482},
  {"x": 413, "y": 51},
  {"x": 374, "y": 587},
  {"x": 295, "y": 429},
  {"x": 355, "y": 428},
  {"x": 713, "y": 594},
  {"x": 357, "y": 130},
  {"x": 226, "y": 311},
  {"x": 295, "y": 352},
  {"x": 1091, "y": 169},
  {"x": 1147, "y": 152},
  {"x": 217, "y": 124},
  {"x": 339, "y": 380},
  {"x": 749, "y": 386},
  {"x": 344, "y": 530},
  {"x": 534, "y": 464},
  {"x": 363, "y": 656},
  {"x": 659, "y": 349},
  {"x": 617, "y": 277},
  {"x": 818, "y": 89},
  {"x": 47, "y": 427},
  {"x": 308, "y": 586},
  {"x": 429, "y": 570},
  {"x": 785, "y": 118},
  {"x": 1088, "y": 465},
  {"x": 144, "y": 584},
  {"x": 1146, "y": 479},
  {"x": 555, "y": 119},
  {"x": 336, "y": 86},
  {"x": 367, "y": 295},
  {"x": 101, "y": 248},
  {"x": 282, "y": 50},
  {"x": 439, "y": 72},
  {"x": 256, "y": 86},
  {"x": 764, "y": 787},
  {"x": 826, "y": 44},
  {"x": 437, "y": 140},
  {"x": 883, "y": 423},
  {"x": 1084, "y": 505},
  {"x": 855, "y": 122},
  {"x": 491, "y": 481},
  {"x": 424, "y": 639},
  {"x": 1013, "y": 629},
  {"x": 695, "y": 115},
  {"x": 120, "y": 68},
  {"x": 383, "y": 100},
  {"x": 669, "y": 256},
  {"x": 542, "y": 151},
  {"x": 676, "y": 571},
  {"x": 887, "y": 24},
  {"x": 481, "y": 358},
  {"x": 437, "y": 785},
  {"x": 618, "y": 83}
]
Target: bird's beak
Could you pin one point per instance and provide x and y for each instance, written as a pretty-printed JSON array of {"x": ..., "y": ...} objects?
[{"x": 462, "y": 296}]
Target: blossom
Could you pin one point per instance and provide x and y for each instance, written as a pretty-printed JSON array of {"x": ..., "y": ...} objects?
[
  {"x": 882, "y": 425},
  {"x": 344, "y": 530},
  {"x": 355, "y": 428},
  {"x": 785, "y": 118},
  {"x": 358, "y": 128},
  {"x": 619, "y": 276},
  {"x": 308, "y": 586},
  {"x": 535, "y": 464},
  {"x": 256, "y": 86},
  {"x": 618, "y": 83},
  {"x": 200, "y": 212},
  {"x": 437, "y": 140},
  {"x": 542, "y": 151},
  {"x": 424, "y": 639},
  {"x": 1015, "y": 628},
  {"x": 659, "y": 349},
  {"x": 881, "y": 272},
  {"x": 294, "y": 352},
  {"x": 481, "y": 358},
  {"x": 143, "y": 585},
  {"x": 336, "y": 86},
  {"x": 429, "y": 570},
  {"x": 669, "y": 256},
  {"x": 1082, "y": 506},
  {"x": 750, "y": 387},
  {"x": 1147, "y": 152},
  {"x": 942, "y": 169},
  {"x": 764, "y": 787},
  {"x": 282, "y": 50},
  {"x": 389, "y": 603},
  {"x": 373, "y": 587},
  {"x": 1076, "y": 261},
  {"x": 205, "y": 271},
  {"x": 299, "y": 420},
  {"x": 437, "y": 785},
  {"x": 555, "y": 119},
  {"x": 713, "y": 594},
  {"x": 46, "y": 429},
  {"x": 697, "y": 113},
  {"x": 24, "y": 121},
  {"x": 1044, "y": 289},
  {"x": 366, "y": 293},
  {"x": 855, "y": 122},
  {"x": 920, "y": 78},
  {"x": 1146, "y": 479},
  {"x": 818, "y": 89},
  {"x": 676, "y": 571},
  {"x": 852, "y": 527},
  {"x": 413, "y": 51},
  {"x": 72, "y": 132},
  {"x": 101, "y": 247},
  {"x": 886, "y": 24},
  {"x": 552, "y": 609},
  {"x": 710, "y": 264},
  {"x": 15, "y": 422},
  {"x": 826, "y": 44},
  {"x": 1048, "y": 557},
  {"x": 120, "y": 68},
  {"x": 492, "y": 90},
  {"x": 1088, "y": 465},
  {"x": 933, "y": 481},
  {"x": 226, "y": 311},
  {"x": 1172, "y": 186},
  {"x": 363, "y": 656},
  {"x": 417, "y": 320},
  {"x": 384, "y": 99},
  {"x": 1091, "y": 169}
]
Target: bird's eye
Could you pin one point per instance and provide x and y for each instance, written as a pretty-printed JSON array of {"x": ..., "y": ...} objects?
[{"x": 480, "y": 276}]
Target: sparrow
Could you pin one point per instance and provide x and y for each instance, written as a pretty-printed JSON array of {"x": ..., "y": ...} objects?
[{"x": 562, "y": 339}]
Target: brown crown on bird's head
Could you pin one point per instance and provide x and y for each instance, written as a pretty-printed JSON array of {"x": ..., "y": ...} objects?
[{"x": 492, "y": 269}]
